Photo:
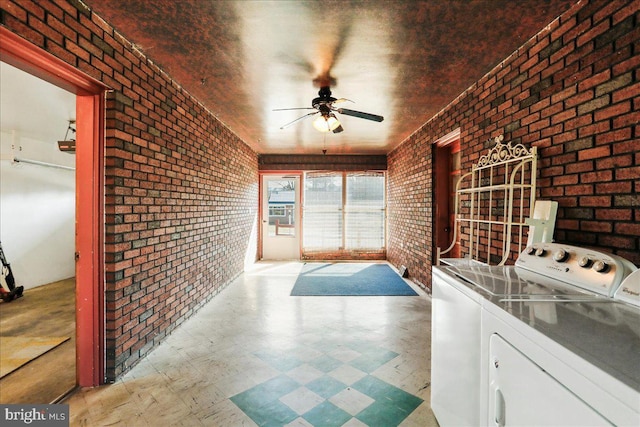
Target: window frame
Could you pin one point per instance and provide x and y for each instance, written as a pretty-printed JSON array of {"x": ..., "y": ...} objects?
[{"x": 345, "y": 210}]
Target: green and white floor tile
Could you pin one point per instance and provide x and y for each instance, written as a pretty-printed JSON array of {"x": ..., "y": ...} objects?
[{"x": 332, "y": 388}]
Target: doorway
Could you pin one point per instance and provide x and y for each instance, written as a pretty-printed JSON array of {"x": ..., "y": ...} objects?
[
  {"x": 37, "y": 231},
  {"x": 447, "y": 172},
  {"x": 89, "y": 198},
  {"x": 280, "y": 217}
]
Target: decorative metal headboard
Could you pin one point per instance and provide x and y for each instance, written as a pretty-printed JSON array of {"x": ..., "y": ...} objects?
[{"x": 493, "y": 201}]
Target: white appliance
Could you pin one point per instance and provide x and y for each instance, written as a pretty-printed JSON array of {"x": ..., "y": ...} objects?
[
  {"x": 543, "y": 223},
  {"x": 553, "y": 340}
]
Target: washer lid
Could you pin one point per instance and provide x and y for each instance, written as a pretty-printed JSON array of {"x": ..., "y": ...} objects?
[{"x": 510, "y": 281}]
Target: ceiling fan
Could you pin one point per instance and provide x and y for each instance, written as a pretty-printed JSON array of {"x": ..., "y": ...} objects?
[{"x": 325, "y": 110}]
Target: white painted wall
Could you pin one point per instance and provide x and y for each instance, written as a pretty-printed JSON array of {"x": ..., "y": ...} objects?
[{"x": 37, "y": 203}]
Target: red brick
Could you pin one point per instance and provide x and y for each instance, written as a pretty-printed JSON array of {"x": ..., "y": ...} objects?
[
  {"x": 598, "y": 176},
  {"x": 615, "y": 241},
  {"x": 612, "y": 111},
  {"x": 565, "y": 180},
  {"x": 579, "y": 98},
  {"x": 613, "y": 187},
  {"x": 628, "y": 228},
  {"x": 630, "y": 119},
  {"x": 578, "y": 190},
  {"x": 579, "y": 167},
  {"x": 594, "y": 129},
  {"x": 618, "y": 135},
  {"x": 614, "y": 214},
  {"x": 596, "y": 201},
  {"x": 627, "y": 92},
  {"x": 594, "y": 80},
  {"x": 579, "y": 122},
  {"x": 596, "y": 226},
  {"x": 563, "y": 116},
  {"x": 551, "y": 131},
  {"x": 594, "y": 153},
  {"x": 614, "y": 162},
  {"x": 628, "y": 173}
]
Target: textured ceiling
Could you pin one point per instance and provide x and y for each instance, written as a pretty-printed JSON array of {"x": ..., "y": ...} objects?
[{"x": 404, "y": 60}]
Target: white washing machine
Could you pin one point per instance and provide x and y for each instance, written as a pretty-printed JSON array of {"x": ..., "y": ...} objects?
[{"x": 553, "y": 340}]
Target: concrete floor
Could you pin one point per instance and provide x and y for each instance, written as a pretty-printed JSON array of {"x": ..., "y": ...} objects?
[{"x": 255, "y": 355}]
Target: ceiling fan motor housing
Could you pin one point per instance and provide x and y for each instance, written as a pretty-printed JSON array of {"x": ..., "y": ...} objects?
[{"x": 323, "y": 101}]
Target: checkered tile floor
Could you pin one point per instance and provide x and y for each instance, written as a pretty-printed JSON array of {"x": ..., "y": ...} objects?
[
  {"x": 327, "y": 384},
  {"x": 255, "y": 355}
]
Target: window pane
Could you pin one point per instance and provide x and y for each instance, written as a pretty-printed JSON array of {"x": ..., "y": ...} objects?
[
  {"x": 322, "y": 211},
  {"x": 323, "y": 191},
  {"x": 322, "y": 230},
  {"x": 365, "y": 230},
  {"x": 365, "y": 190},
  {"x": 282, "y": 197},
  {"x": 365, "y": 211}
]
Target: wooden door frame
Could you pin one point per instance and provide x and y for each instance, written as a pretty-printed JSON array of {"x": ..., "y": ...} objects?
[
  {"x": 90, "y": 119},
  {"x": 440, "y": 174}
]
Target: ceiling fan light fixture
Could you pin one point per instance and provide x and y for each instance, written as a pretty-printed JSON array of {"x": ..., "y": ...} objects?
[
  {"x": 326, "y": 123},
  {"x": 326, "y": 120}
]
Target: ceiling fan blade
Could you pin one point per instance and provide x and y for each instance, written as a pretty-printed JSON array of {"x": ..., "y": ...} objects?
[
  {"x": 298, "y": 119},
  {"x": 289, "y": 109},
  {"x": 328, "y": 58},
  {"x": 338, "y": 129},
  {"x": 339, "y": 100},
  {"x": 360, "y": 114}
]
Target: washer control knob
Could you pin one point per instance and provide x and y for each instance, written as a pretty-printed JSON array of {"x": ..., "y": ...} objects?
[
  {"x": 541, "y": 252},
  {"x": 601, "y": 266},
  {"x": 530, "y": 250},
  {"x": 561, "y": 255},
  {"x": 585, "y": 262}
]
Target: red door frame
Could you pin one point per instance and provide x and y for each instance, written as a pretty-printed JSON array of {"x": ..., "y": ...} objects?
[{"x": 90, "y": 107}]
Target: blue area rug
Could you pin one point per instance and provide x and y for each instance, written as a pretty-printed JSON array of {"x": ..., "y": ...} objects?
[{"x": 350, "y": 279}]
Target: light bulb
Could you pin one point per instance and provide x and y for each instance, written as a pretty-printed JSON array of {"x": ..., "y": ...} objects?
[
  {"x": 333, "y": 122},
  {"x": 321, "y": 124},
  {"x": 326, "y": 123}
]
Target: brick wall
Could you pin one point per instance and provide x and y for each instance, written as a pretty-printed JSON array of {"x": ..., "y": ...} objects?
[
  {"x": 181, "y": 189},
  {"x": 573, "y": 91},
  {"x": 344, "y": 255},
  {"x": 410, "y": 207}
]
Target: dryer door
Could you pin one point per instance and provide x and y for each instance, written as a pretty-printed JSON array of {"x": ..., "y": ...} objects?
[{"x": 523, "y": 394}]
